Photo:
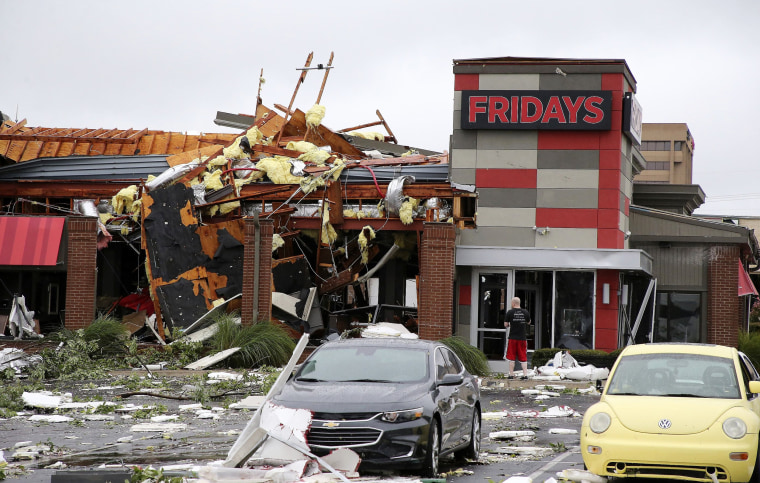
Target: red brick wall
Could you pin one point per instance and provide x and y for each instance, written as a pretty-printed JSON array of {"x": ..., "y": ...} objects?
[
  {"x": 264, "y": 296},
  {"x": 436, "y": 303},
  {"x": 723, "y": 301},
  {"x": 81, "y": 274}
]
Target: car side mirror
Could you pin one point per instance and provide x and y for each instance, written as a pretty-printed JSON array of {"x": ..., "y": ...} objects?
[
  {"x": 754, "y": 387},
  {"x": 451, "y": 380}
]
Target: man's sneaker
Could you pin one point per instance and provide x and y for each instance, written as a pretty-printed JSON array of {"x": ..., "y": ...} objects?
[
  {"x": 510, "y": 377},
  {"x": 523, "y": 378}
]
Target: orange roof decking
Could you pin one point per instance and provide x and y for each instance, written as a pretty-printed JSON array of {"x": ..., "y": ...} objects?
[{"x": 20, "y": 143}]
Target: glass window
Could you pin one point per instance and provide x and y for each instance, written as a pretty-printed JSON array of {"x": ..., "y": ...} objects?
[
  {"x": 677, "y": 145},
  {"x": 668, "y": 374},
  {"x": 678, "y": 318},
  {"x": 452, "y": 362},
  {"x": 574, "y": 310},
  {"x": 365, "y": 362}
]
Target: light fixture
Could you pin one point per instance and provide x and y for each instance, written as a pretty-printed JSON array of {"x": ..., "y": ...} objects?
[{"x": 606, "y": 293}]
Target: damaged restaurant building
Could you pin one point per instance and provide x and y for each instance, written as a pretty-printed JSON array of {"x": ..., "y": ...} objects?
[{"x": 346, "y": 227}]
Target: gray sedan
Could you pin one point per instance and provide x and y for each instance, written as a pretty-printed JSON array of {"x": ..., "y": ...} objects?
[{"x": 396, "y": 402}]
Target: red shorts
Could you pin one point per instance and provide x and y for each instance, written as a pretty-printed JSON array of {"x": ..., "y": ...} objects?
[{"x": 517, "y": 350}]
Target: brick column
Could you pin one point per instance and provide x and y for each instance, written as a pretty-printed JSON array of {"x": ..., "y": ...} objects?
[
  {"x": 81, "y": 271},
  {"x": 436, "y": 296},
  {"x": 264, "y": 269},
  {"x": 723, "y": 301}
]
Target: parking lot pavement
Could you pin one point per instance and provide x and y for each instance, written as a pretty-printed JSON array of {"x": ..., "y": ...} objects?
[{"x": 85, "y": 444}]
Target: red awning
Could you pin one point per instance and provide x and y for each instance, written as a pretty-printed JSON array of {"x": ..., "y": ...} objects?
[
  {"x": 30, "y": 240},
  {"x": 746, "y": 287}
]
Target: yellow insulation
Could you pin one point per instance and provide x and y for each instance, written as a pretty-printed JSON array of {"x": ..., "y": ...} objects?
[
  {"x": 317, "y": 156},
  {"x": 225, "y": 208},
  {"x": 136, "y": 207},
  {"x": 329, "y": 235},
  {"x": 218, "y": 161},
  {"x": 254, "y": 136},
  {"x": 337, "y": 169},
  {"x": 364, "y": 243},
  {"x": 277, "y": 242},
  {"x": 358, "y": 214},
  {"x": 301, "y": 146},
  {"x": 278, "y": 170},
  {"x": 311, "y": 183},
  {"x": 234, "y": 151},
  {"x": 123, "y": 200},
  {"x": 315, "y": 115},
  {"x": 406, "y": 212},
  {"x": 376, "y": 136},
  {"x": 213, "y": 180}
]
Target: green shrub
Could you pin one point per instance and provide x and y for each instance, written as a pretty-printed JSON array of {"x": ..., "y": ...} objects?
[
  {"x": 596, "y": 358},
  {"x": 108, "y": 334},
  {"x": 749, "y": 343},
  {"x": 474, "y": 360},
  {"x": 260, "y": 344}
]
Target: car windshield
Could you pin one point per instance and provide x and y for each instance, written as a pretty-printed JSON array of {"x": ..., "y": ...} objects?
[
  {"x": 365, "y": 364},
  {"x": 675, "y": 375}
]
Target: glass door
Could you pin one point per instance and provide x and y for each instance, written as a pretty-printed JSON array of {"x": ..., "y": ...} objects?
[{"x": 493, "y": 302}]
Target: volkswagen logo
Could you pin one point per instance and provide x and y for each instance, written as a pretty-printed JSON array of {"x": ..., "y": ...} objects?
[{"x": 664, "y": 423}]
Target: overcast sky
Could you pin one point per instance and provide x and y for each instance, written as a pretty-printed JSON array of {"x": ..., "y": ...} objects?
[{"x": 171, "y": 65}]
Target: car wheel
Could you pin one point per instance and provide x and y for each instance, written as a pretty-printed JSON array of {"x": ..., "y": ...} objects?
[
  {"x": 433, "y": 450},
  {"x": 472, "y": 451}
]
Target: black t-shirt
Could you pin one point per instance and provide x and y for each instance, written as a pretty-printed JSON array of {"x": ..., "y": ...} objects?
[{"x": 518, "y": 319}]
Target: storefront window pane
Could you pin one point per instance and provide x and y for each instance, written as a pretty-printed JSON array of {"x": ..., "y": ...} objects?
[
  {"x": 574, "y": 310},
  {"x": 492, "y": 307},
  {"x": 678, "y": 317}
]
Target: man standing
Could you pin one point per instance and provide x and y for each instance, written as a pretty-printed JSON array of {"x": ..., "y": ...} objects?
[{"x": 517, "y": 320}]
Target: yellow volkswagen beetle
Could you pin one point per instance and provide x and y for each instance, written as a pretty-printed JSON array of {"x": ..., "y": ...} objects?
[{"x": 678, "y": 411}]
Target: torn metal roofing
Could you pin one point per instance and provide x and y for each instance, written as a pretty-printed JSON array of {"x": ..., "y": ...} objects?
[
  {"x": 385, "y": 147},
  {"x": 132, "y": 168},
  {"x": 21, "y": 143}
]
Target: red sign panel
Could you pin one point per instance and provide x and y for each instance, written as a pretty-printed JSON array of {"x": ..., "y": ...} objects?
[{"x": 531, "y": 110}]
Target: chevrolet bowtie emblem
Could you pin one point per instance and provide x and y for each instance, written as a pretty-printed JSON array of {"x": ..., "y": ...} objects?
[{"x": 331, "y": 424}]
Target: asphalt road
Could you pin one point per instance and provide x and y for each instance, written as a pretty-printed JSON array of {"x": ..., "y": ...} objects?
[{"x": 84, "y": 444}]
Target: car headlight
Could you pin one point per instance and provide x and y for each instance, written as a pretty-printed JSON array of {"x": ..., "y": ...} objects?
[
  {"x": 402, "y": 416},
  {"x": 599, "y": 422},
  {"x": 734, "y": 428}
]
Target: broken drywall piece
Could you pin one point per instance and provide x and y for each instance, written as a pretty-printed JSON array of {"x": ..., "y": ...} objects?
[
  {"x": 50, "y": 418},
  {"x": 510, "y": 434},
  {"x": 164, "y": 418},
  {"x": 495, "y": 415},
  {"x": 253, "y": 436},
  {"x": 345, "y": 460},
  {"x": 98, "y": 417},
  {"x": 581, "y": 476},
  {"x": 44, "y": 399},
  {"x": 17, "y": 359},
  {"x": 190, "y": 407},
  {"x": 525, "y": 450},
  {"x": 209, "y": 316},
  {"x": 387, "y": 330},
  {"x": 288, "y": 473},
  {"x": 158, "y": 427},
  {"x": 563, "y": 431},
  {"x": 286, "y": 428},
  {"x": 21, "y": 320},
  {"x": 251, "y": 402},
  {"x": 209, "y": 361},
  {"x": 519, "y": 479},
  {"x": 224, "y": 376},
  {"x": 200, "y": 335}
]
